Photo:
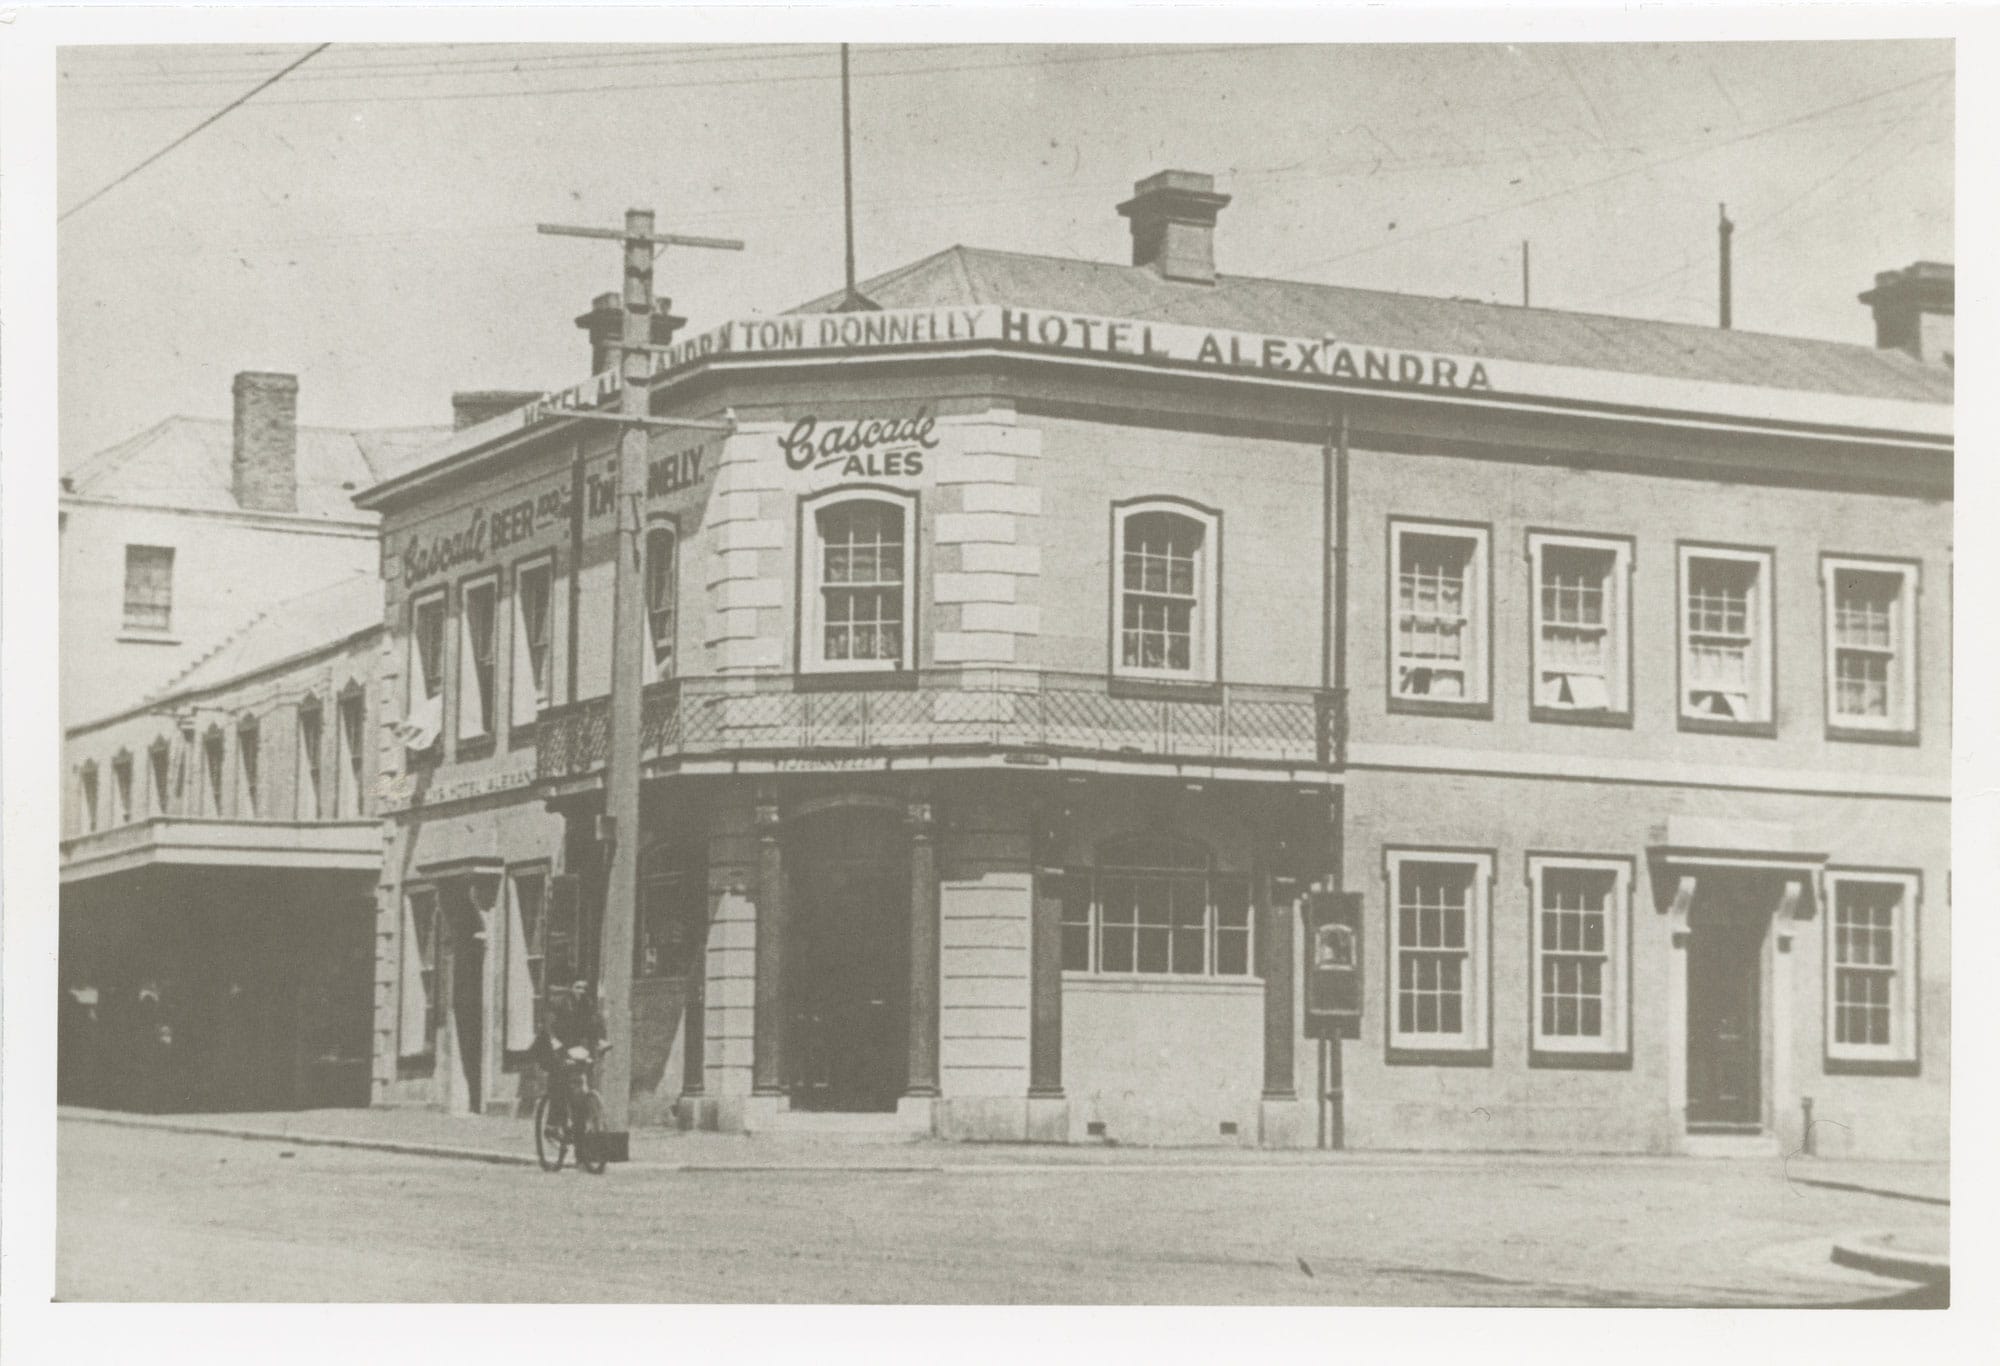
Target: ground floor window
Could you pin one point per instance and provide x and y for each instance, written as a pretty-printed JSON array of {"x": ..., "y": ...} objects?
[
  {"x": 418, "y": 1016},
  {"x": 1871, "y": 964},
  {"x": 1438, "y": 950},
  {"x": 1156, "y": 907},
  {"x": 1581, "y": 911},
  {"x": 527, "y": 959}
]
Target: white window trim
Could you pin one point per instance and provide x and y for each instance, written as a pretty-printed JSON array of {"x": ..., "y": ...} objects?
[
  {"x": 1618, "y": 681},
  {"x": 1205, "y": 636},
  {"x": 310, "y": 771},
  {"x": 1902, "y": 1045},
  {"x": 424, "y": 709},
  {"x": 486, "y": 725},
  {"x": 1902, "y": 717},
  {"x": 1478, "y": 616},
  {"x": 1761, "y": 620},
  {"x": 1616, "y": 1039},
  {"x": 812, "y": 623},
  {"x": 249, "y": 785},
  {"x": 1211, "y": 927},
  {"x": 656, "y": 669},
  {"x": 350, "y": 759},
  {"x": 1475, "y": 1036},
  {"x": 522, "y": 687}
]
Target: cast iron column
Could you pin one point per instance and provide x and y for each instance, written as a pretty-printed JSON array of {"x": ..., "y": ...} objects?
[
  {"x": 923, "y": 1012},
  {"x": 769, "y": 1074},
  {"x": 1045, "y": 987},
  {"x": 1275, "y": 935}
]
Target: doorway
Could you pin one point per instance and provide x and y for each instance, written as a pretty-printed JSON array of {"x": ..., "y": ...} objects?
[
  {"x": 849, "y": 987},
  {"x": 1725, "y": 975},
  {"x": 465, "y": 978}
]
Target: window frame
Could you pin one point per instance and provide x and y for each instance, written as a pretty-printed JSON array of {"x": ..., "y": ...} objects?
[
  {"x": 473, "y": 686},
  {"x": 121, "y": 787},
  {"x": 350, "y": 753},
  {"x": 1901, "y": 1056},
  {"x": 1764, "y": 601},
  {"x": 87, "y": 795},
  {"x": 159, "y": 775},
  {"x": 1205, "y": 632},
  {"x": 414, "y": 674},
  {"x": 533, "y": 951},
  {"x": 420, "y": 1061},
  {"x": 1901, "y": 725},
  {"x": 1479, "y": 619},
  {"x": 214, "y": 771},
  {"x": 165, "y": 626},
  {"x": 310, "y": 732},
  {"x": 662, "y": 524},
  {"x": 1619, "y": 680},
  {"x": 540, "y": 681},
  {"x": 810, "y": 616},
  {"x": 1472, "y": 1045},
  {"x": 1105, "y": 866},
  {"x": 1612, "y": 1048},
  {"x": 249, "y": 769}
]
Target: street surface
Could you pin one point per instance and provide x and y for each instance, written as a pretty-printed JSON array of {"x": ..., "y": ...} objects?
[{"x": 144, "y": 1214}]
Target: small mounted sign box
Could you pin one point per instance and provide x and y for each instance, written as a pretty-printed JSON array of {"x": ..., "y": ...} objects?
[{"x": 1333, "y": 965}]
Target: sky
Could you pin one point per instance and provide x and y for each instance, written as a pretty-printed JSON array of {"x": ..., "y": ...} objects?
[{"x": 368, "y": 222}]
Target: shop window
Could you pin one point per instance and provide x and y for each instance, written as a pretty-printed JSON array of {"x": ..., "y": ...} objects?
[
  {"x": 1725, "y": 637},
  {"x": 348, "y": 762},
  {"x": 149, "y": 588},
  {"x": 1155, "y": 907},
  {"x": 670, "y": 904},
  {"x": 159, "y": 760},
  {"x": 1870, "y": 638},
  {"x": 478, "y": 670},
  {"x": 212, "y": 771},
  {"x": 248, "y": 770},
  {"x": 663, "y": 586},
  {"x": 1871, "y": 969},
  {"x": 121, "y": 787},
  {"x": 526, "y": 1003},
  {"x": 859, "y": 600},
  {"x": 1438, "y": 952},
  {"x": 1167, "y": 595},
  {"x": 312, "y": 731},
  {"x": 423, "y": 719},
  {"x": 1581, "y": 633},
  {"x": 1582, "y": 914},
  {"x": 530, "y": 683},
  {"x": 419, "y": 1016},
  {"x": 87, "y": 795},
  {"x": 1439, "y": 625}
]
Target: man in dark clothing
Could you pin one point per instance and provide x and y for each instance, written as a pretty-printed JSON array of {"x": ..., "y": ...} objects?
[{"x": 574, "y": 1020}]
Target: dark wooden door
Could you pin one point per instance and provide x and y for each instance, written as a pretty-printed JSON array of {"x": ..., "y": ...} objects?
[
  {"x": 849, "y": 987},
  {"x": 1725, "y": 1022}
]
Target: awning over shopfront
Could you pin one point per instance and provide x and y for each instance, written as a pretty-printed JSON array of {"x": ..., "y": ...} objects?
[{"x": 333, "y": 846}]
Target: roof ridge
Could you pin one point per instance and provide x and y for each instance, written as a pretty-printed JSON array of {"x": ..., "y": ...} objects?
[{"x": 250, "y": 625}]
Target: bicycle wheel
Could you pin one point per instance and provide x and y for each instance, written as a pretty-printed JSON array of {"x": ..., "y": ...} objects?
[
  {"x": 589, "y": 1132},
  {"x": 551, "y": 1145}
]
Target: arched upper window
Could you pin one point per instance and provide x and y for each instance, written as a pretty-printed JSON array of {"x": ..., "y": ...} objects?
[
  {"x": 1166, "y": 591},
  {"x": 858, "y": 592},
  {"x": 663, "y": 588}
]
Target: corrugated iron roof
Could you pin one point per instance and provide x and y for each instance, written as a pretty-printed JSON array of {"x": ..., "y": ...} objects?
[
  {"x": 314, "y": 620},
  {"x": 1413, "y": 322}
]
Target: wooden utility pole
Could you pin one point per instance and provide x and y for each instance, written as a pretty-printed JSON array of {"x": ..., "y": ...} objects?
[
  {"x": 1723, "y": 231},
  {"x": 1524, "y": 274},
  {"x": 628, "y": 676}
]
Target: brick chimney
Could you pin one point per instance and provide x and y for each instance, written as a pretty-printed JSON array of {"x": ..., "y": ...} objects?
[
  {"x": 605, "y": 325},
  {"x": 470, "y": 407},
  {"x": 1173, "y": 224},
  {"x": 264, "y": 463},
  {"x": 1914, "y": 309}
]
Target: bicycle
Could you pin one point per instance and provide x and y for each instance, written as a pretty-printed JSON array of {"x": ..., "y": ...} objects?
[{"x": 583, "y": 1115}]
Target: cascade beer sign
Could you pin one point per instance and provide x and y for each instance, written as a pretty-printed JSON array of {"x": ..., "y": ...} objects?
[
  {"x": 867, "y": 448},
  {"x": 1323, "y": 358}
]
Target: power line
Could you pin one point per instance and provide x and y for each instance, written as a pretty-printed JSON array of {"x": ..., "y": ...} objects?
[{"x": 242, "y": 99}]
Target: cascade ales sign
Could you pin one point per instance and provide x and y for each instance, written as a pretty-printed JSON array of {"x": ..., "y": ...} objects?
[{"x": 868, "y": 448}]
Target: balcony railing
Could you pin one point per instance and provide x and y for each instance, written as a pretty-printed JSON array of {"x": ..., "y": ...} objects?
[{"x": 1002, "y": 709}]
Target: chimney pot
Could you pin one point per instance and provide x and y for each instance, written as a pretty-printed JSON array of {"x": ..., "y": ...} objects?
[
  {"x": 1914, "y": 310},
  {"x": 264, "y": 459},
  {"x": 1173, "y": 224}
]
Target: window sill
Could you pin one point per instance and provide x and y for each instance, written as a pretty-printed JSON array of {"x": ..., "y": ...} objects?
[
  {"x": 1871, "y": 1067},
  {"x": 1710, "y": 725},
  {"x": 856, "y": 680},
  {"x": 1161, "y": 982},
  {"x": 1439, "y": 1057},
  {"x": 133, "y": 636},
  {"x": 1164, "y": 689},
  {"x": 1577, "y": 716},
  {"x": 1579, "y": 1061},
  {"x": 1869, "y": 735},
  {"x": 1425, "y": 706}
]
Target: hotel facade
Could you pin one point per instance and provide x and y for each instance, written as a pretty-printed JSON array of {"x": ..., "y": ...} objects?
[{"x": 1037, "y": 645}]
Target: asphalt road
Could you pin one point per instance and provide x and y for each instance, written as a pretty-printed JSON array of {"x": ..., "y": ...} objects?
[{"x": 150, "y": 1215}]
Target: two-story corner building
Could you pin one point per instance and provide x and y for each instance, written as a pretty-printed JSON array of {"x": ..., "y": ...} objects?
[
  {"x": 168, "y": 538},
  {"x": 1036, "y": 643},
  {"x": 219, "y": 871}
]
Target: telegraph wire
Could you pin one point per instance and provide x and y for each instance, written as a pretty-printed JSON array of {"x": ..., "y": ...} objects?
[{"x": 240, "y": 100}]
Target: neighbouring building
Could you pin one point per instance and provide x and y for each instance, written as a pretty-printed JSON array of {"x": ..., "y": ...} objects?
[
  {"x": 1038, "y": 643},
  {"x": 168, "y": 539},
  {"x": 219, "y": 871}
]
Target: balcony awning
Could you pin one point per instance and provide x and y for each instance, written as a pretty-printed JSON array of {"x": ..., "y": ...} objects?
[{"x": 326, "y": 846}]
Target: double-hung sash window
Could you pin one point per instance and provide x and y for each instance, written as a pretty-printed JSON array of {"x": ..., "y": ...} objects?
[
  {"x": 1581, "y": 632},
  {"x": 149, "y": 588},
  {"x": 423, "y": 721},
  {"x": 531, "y": 681},
  {"x": 1581, "y": 910},
  {"x": 1156, "y": 907},
  {"x": 121, "y": 787},
  {"x": 248, "y": 769},
  {"x": 1438, "y": 950},
  {"x": 212, "y": 770},
  {"x": 1871, "y": 967},
  {"x": 479, "y": 663},
  {"x": 159, "y": 760},
  {"x": 1725, "y": 635},
  {"x": 663, "y": 587},
  {"x": 1168, "y": 590},
  {"x": 312, "y": 731},
  {"x": 1440, "y": 611},
  {"x": 859, "y": 592},
  {"x": 1870, "y": 634},
  {"x": 347, "y": 775}
]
